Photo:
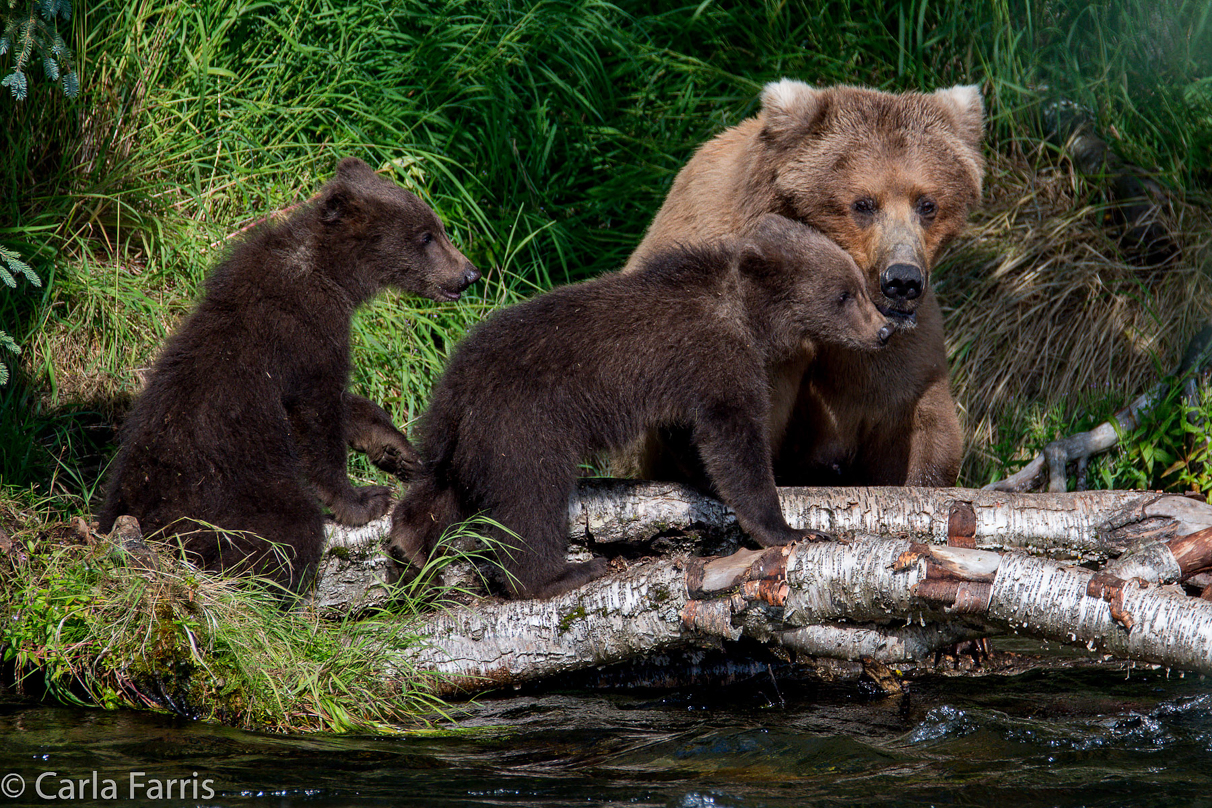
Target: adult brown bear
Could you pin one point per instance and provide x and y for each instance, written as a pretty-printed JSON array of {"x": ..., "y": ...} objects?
[
  {"x": 242, "y": 429},
  {"x": 539, "y": 386},
  {"x": 890, "y": 178}
]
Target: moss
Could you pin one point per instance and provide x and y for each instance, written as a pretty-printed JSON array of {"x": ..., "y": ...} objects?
[{"x": 571, "y": 617}]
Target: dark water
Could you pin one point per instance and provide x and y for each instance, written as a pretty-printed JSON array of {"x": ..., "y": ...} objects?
[{"x": 1051, "y": 738}]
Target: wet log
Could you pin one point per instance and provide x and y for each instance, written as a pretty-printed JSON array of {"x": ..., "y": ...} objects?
[
  {"x": 914, "y": 571},
  {"x": 878, "y": 600},
  {"x": 634, "y": 518},
  {"x": 855, "y": 600}
]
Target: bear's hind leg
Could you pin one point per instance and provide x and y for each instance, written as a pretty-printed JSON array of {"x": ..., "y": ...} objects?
[
  {"x": 574, "y": 576},
  {"x": 277, "y": 533},
  {"x": 418, "y": 522},
  {"x": 534, "y": 558}
]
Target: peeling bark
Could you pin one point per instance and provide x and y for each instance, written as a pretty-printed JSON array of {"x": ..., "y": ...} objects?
[
  {"x": 827, "y": 599},
  {"x": 510, "y": 642},
  {"x": 914, "y": 571}
]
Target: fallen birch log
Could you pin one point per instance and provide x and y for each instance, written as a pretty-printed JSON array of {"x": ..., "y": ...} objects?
[
  {"x": 801, "y": 595},
  {"x": 617, "y": 517},
  {"x": 1051, "y": 465}
]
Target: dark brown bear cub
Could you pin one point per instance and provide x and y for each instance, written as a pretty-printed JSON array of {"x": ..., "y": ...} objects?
[
  {"x": 242, "y": 430},
  {"x": 540, "y": 385}
]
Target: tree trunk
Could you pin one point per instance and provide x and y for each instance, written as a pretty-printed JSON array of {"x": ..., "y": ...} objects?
[
  {"x": 913, "y": 571},
  {"x": 628, "y": 517},
  {"x": 827, "y": 598}
]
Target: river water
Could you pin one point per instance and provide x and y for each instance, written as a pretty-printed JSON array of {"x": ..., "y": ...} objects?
[{"x": 1082, "y": 737}]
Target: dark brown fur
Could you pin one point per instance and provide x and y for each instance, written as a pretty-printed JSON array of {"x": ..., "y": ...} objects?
[
  {"x": 541, "y": 385},
  {"x": 891, "y": 179},
  {"x": 245, "y": 419}
]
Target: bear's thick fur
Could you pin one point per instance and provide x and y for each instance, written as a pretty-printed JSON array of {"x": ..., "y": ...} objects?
[
  {"x": 539, "y": 386},
  {"x": 890, "y": 178},
  {"x": 245, "y": 418}
]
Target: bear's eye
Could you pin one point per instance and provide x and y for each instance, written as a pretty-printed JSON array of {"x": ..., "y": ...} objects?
[
  {"x": 426, "y": 238},
  {"x": 926, "y": 207},
  {"x": 864, "y": 206},
  {"x": 844, "y": 298}
]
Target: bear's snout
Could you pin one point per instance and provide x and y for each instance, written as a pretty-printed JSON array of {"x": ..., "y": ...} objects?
[
  {"x": 470, "y": 276},
  {"x": 902, "y": 282}
]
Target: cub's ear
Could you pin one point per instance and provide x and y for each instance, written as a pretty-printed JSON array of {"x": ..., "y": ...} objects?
[
  {"x": 753, "y": 258},
  {"x": 966, "y": 109},
  {"x": 773, "y": 228},
  {"x": 339, "y": 204},
  {"x": 352, "y": 168},
  {"x": 789, "y": 108}
]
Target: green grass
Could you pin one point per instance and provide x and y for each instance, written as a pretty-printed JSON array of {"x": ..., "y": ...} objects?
[
  {"x": 545, "y": 134},
  {"x": 88, "y": 623}
]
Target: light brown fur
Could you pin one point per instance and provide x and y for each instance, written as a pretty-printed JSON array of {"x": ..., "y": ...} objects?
[{"x": 890, "y": 178}]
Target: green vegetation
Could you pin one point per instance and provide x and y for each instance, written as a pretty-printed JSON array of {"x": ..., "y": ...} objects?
[
  {"x": 89, "y": 622},
  {"x": 546, "y": 134}
]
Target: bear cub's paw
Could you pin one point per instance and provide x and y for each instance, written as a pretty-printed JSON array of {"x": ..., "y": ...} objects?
[
  {"x": 399, "y": 459},
  {"x": 361, "y": 505}
]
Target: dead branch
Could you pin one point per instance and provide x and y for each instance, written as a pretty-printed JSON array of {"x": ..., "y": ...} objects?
[{"x": 1051, "y": 465}]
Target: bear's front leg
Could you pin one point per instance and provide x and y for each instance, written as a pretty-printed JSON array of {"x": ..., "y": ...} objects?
[
  {"x": 369, "y": 430},
  {"x": 736, "y": 453},
  {"x": 320, "y": 428},
  {"x": 936, "y": 442}
]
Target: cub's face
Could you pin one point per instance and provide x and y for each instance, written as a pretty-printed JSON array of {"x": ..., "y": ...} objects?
[
  {"x": 815, "y": 289},
  {"x": 404, "y": 242},
  {"x": 890, "y": 178}
]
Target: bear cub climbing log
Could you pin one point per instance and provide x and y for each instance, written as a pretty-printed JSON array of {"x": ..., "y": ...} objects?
[
  {"x": 242, "y": 429},
  {"x": 539, "y": 386}
]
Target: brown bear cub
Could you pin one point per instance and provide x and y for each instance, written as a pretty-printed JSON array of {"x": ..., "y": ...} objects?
[
  {"x": 890, "y": 177},
  {"x": 686, "y": 340},
  {"x": 242, "y": 429}
]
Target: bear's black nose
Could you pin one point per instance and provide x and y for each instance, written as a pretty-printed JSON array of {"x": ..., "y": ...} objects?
[
  {"x": 470, "y": 276},
  {"x": 902, "y": 282}
]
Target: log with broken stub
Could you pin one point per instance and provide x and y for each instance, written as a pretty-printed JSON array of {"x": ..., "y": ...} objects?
[
  {"x": 831, "y": 598},
  {"x": 511, "y": 642},
  {"x": 617, "y": 516},
  {"x": 1088, "y": 526}
]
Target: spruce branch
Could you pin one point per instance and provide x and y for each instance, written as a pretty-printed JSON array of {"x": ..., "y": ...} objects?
[
  {"x": 32, "y": 37},
  {"x": 12, "y": 267}
]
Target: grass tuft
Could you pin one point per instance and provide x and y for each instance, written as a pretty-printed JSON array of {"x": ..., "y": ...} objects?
[{"x": 86, "y": 621}]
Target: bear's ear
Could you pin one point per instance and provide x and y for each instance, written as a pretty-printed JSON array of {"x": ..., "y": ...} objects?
[
  {"x": 752, "y": 259},
  {"x": 789, "y": 108},
  {"x": 964, "y": 106},
  {"x": 338, "y": 205},
  {"x": 351, "y": 168}
]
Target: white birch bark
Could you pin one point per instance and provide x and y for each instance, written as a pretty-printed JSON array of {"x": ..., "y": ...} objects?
[
  {"x": 856, "y": 600},
  {"x": 608, "y": 620},
  {"x": 891, "y": 645},
  {"x": 1089, "y": 527}
]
